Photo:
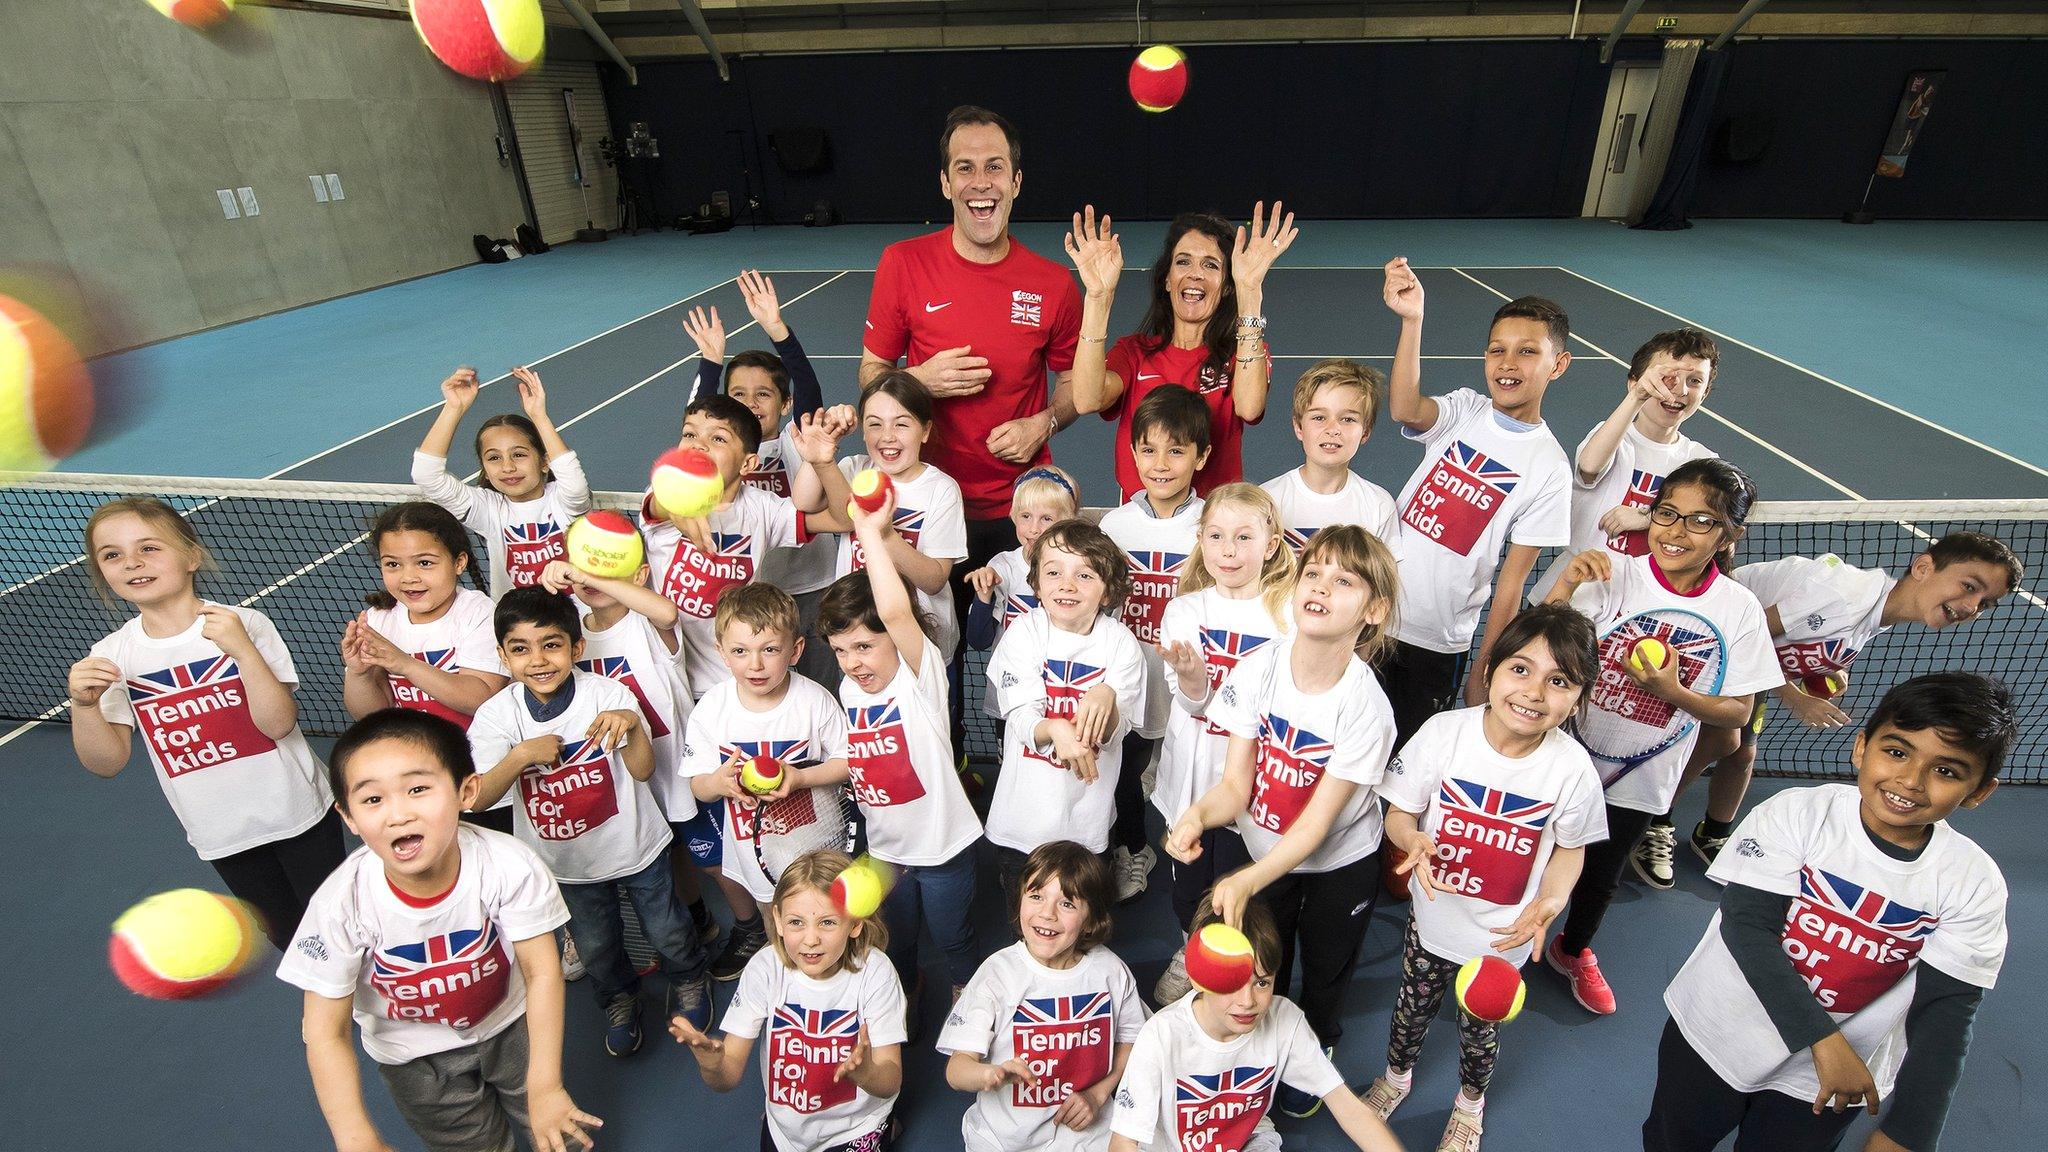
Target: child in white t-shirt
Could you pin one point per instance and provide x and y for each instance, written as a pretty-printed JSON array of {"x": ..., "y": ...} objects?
[
  {"x": 1335, "y": 403},
  {"x": 437, "y": 938},
  {"x": 209, "y": 687},
  {"x": 1492, "y": 476},
  {"x": 1002, "y": 591},
  {"x": 1042, "y": 1031},
  {"x": 1493, "y": 808},
  {"x": 1204, "y": 1071},
  {"x": 425, "y": 642},
  {"x": 574, "y": 745},
  {"x": 899, "y": 756},
  {"x": 533, "y": 485},
  {"x": 1235, "y": 597},
  {"x": 1310, "y": 735},
  {"x": 832, "y": 1011},
  {"x": 1071, "y": 681},
  {"x": 1857, "y": 935}
]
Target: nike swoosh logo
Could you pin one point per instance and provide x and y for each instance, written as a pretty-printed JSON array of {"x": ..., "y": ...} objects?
[
  {"x": 1150, "y": 376},
  {"x": 936, "y": 307}
]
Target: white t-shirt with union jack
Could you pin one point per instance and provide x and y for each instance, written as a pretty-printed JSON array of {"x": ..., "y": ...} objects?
[
  {"x": 1632, "y": 478},
  {"x": 433, "y": 978},
  {"x": 1065, "y": 1023},
  {"x": 899, "y": 757},
  {"x": 1158, "y": 549},
  {"x": 1013, "y": 598},
  {"x": 519, "y": 536},
  {"x": 1346, "y": 732},
  {"x": 460, "y": 640},
  {"x": 1482, "y": 485},
  {"x": 1860, "y": 925},
  {"x": 633, "y": 653},
  {"x": 1186, "y": 1091},
  {"x": 1495, "y": 822},
  {"x": 232, "y": 787},
  {"x": 812, "y": 1026},
  {"x": 805, "y": 727},
  {"x": 1226, "y": 631},
  {"x": 741, "y": 534},
  {"x": 931, "y": 519},
  {"x": 1829, "y": 609},
  {"x": 1304, "y": 511},
  {"x": 587, "y": 816},
  {"x": 1041, "y": 672}
]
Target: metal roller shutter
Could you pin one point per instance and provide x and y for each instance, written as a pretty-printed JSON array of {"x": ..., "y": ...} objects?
[{"x": 535, "y": 100}]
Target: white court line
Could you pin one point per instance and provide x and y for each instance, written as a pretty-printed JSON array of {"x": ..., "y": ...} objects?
[
  {"x": 1857, "y": 392},
  {"x": 1795, "y": 461}
]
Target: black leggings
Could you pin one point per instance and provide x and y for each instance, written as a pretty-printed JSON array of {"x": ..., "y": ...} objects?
[
  {"x": 1128, "y": 832},
  {"x": 1600, "y": 877},
  {"x": 279, "y": 878},
  {"x": 1419, "y": 684}
]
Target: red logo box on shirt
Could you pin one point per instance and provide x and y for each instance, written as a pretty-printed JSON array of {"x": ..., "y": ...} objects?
[
  {"x": 1155, "y": 580},
  {"x": 1218, "y": 1113},
  {"x": 196, "y": 715},
  {"x": 1486, "y": 840},
  {"x": 529, "y": 547},
  {"x": 878, "y": 757},
  {"x": 1814, "y": 657},
  {"x": 695, "y": 581},
  {"x": 457, "y": 978},
  {"x": 1642, "y": 493},
  {"x": 406, "y": 694},
  {"x": 909, "y": 525},
  {"x": 805, "y": 1047},
  {"x": 1465, "y": 490},
  {"x": 1221, "y": 650},
  {"x": 1850, "y": 943},
  {"x": 573, "y": 795},
  {"x": 1066, "y": 681},
  {"x": 1066, "y": 1041},
  {"x": 1291, "y": 761}
]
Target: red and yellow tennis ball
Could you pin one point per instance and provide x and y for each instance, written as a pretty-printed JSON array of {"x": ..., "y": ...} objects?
[
  {"x": 195, "y": 13},
  {"x": 184, "y": 943},
  {"x": 761, "y": 775},
  {"x": 604, "y": 543},
  {"x": 1490, "y": 989},
  {"x": 871, "y": 489},
  {"x": 1219, "y": 959},
  {"x": 482, "y": 39},
  {"x": 1159, "y": 77},
  {"x": 1821, "y": 685},
  {"x": 1648, "y": 653},
  {"x": 46, "y": 397},
  {"x": 858, "y": 891},
  {"x": 686, "y": 482}
]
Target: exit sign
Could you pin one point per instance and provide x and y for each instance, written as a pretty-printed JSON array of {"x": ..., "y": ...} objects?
[{"x": 1664, "y": 22}]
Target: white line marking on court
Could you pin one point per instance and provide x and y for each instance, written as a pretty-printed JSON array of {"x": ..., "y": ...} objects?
[
  {"x": 1773, "y": 449},
  {"x": 1853, "y": 391},
  {"x": 28, "y": 724}
]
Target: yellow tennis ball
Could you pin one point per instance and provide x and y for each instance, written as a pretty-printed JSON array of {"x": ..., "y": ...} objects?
[
  {"x": 1648, "y": 653},
  {"x": 604, "y": 543},
  {"x": 184, "y": 943},
  {"x": 761, "y": 775},
  {"x": 195, "y": 13},
  {"x": 686, "y": 482},
  {"x": 46, "y": 397},
  {"x": 482, "y": 39},
  {"x": 858, "y": 891},
  {"x": 1490, "y": 989}
]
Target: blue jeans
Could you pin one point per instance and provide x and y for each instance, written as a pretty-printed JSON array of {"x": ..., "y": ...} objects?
[
  {"x": 600, "y": 934},
  {"x": 941, "y": 897}
]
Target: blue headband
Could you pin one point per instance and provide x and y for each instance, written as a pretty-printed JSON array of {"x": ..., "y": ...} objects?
[{"x": 1049, "y": 474}]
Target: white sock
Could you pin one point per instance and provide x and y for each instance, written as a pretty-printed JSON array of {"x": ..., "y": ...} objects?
[
  {"x": 1469, "y": 1106},
  {"x": 1400, "y": 1080}
]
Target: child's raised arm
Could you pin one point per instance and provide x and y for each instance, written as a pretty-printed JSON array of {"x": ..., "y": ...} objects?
[
  {"x": 1219, "y": 805},
  {"x": 1598, "y": 451},
  {"x": 570, "y": 483},
  {"x": 877, "y": 531},
  {"x": 638, "y": 598},
  {"x": 430, "y": 465},
  {"x": 1405, "y": 401},
  {"x": 721, "y": 1059},
  {"x": 458, "y": 392},
  {"x": 812, "y": 486},
  {"x": 805, "y": 395},
  {"x": 554, "y": 1116},
  {"x": 327, "y": 1027}
]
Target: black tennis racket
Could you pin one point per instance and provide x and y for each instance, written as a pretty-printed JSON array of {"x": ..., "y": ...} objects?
[
  {"x": 805, "y": 821},
  {"x": 1626, "y": 725}
]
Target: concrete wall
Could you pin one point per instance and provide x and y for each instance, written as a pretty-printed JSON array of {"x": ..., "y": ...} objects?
[{"x": 117, "y": 126}]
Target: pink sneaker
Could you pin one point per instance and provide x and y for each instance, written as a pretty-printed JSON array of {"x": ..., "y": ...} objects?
[{"x": 1589, "y": 987}]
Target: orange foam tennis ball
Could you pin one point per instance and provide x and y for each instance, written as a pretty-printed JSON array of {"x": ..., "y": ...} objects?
[
  {"x": 858, "y": 891},
  {"x": 871, "y": 489},
  {"x": 761, "y": 775},
  {"x": 1219, "y": 959},
  {"x": 1821, "y": 685},
  {"x": 686, "y": 482},
  {"x": 1489, "y": 988},
  {"x": 482, "y": 39},
  {"x": 1159, "y": 77},
  {"x": 184, "y": 943},
  {"x": 46, "y": 399},
  {"x": 1648, "y": 653},
  {"x": 195, "y": 13},
  {"x": 604, "y": 543}
]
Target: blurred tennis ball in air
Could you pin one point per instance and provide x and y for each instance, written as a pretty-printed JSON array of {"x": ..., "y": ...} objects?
[
  {"x": 46, "y": 395},
  {"x": 195, "y": 13},
  {"x": 482, "y": 39},
  {"x": 1159, "y": 77}
]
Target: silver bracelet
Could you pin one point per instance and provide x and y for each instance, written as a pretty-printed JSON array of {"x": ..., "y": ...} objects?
[{"x": 1254, "y": 322}]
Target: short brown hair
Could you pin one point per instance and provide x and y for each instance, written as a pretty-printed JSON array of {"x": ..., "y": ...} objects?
[
  {"x": 1544, "y": 311},
  {"x": 905, "y": 389},
  {"x": 1093, "y": 545},
  {"x": 1083, "y": 876},
  {"x": 815, "y": 872},
  {"x": 849, "y": 603},
  {"x": 759, "y": 605},
  {"x": 1259, "y": 928},
  {"x": 1565, "y": 631},
  {"x": 767, "y": 362},
  {"x": 162, "y": 519},
  {"x": 1175, "y": 411},
  {"x": 1958, "y": 546},
  {"x": 969, "y": 114},
  {"x": 1338, "y": 372},
  {"x": 1679, "y": 344}
]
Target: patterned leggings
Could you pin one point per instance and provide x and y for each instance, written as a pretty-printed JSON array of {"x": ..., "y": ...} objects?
[{"x": 1425, "y": 979}]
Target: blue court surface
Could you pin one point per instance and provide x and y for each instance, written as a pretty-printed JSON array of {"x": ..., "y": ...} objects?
[{"x": 1875, "y": 364}]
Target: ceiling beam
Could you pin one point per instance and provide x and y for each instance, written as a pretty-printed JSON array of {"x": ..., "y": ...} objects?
[
  {"x": 1741, "y": 18},
  {"x": 588, "y": 23},
  {"x": 695, "y": 16},
  {"x": 1628, "y": 13}
]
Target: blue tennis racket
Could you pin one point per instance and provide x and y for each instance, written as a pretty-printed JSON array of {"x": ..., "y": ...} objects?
[{"x": 1624, "y": 725}]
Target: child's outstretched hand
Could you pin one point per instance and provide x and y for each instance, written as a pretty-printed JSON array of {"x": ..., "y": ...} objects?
[
  {"x": 1624, "y": 518},
  {"x": 1095, "y": 715},
  {"x": 1589, "y": 567},
  {"x": 817, "y": 437},
  {"x": 1185, "y": 661},
  {"x": 556, "y": 1120},
  {"x": 1532, "y": 925},
  {"x": 984, "y": 581},
  {"x": 533, "y": 399},
  {"x": 705, "y": 1048},
  {"x": 878, "y": 523},
  {"x": 1402, "y": 291},
  {"x": 708, "y": 332},
  {"x": 1421, "y": 862},
  {"x": 89, "y": 680},
  {"x": 1232, "y": 895},
  {"x": 375, "y": 650},
  {"x": 353, "y": 657},
  {"x": 855, "y": 1060},
  {"x": 459, "y": 390},
  {"x": 1651, "y": 389},
  {"x": 759, "y": 293},
  {"x": 220, "y": 625}
]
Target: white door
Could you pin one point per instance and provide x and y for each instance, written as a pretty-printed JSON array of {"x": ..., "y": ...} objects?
[{"x": 1618, "y": 157}]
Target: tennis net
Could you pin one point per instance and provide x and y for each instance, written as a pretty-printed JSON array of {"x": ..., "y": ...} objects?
[{"x": 297, "y": 552}]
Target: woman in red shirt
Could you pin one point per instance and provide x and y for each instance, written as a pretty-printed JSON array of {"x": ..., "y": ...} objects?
[{"x": 1204, "y": 330}]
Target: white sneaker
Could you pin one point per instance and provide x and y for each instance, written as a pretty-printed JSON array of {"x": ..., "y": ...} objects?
[
  {"x": 1461, "y": 1134},
  {"x": 1173, "y": 983},
  {"x": 1652, "y": 858},
  {"x": 1132, "y": 871},
  {"x": 572, "y": 964}
]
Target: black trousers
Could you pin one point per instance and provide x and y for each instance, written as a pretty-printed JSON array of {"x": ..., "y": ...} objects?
[
  {"x": 1128, "y": 832},
  {"x": 1191, "y": 880},
  {"x": 1693, "y": 1108},
  {"x": 278, "y": 879},
  {"x": 1419, "y": 684},
  {"x": 1600, "y": 877},
  {"x": 985, "y": 539},
  {"x": 1322, "y": 917}
]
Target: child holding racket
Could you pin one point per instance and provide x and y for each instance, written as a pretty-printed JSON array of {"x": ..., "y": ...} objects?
[
  {"x": 1494, "y": 807},
  {"x": 1310, "y": 734},
  {"x": 1681, "y": 644},
  {"x": 832, "y": 1011},
  {"x": 1041, "y": 1034},
  {"x": 1234, "y": 599},
  {"x": 900, "y": 754},
  {"x": 765, "y": 710}
]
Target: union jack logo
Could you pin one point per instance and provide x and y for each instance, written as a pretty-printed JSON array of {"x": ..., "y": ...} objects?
[
  {"x": 582, "y": 754},
  {"x": 1156, "y": 563},
  {"x": 1063, "y": 1009},
  {"x": 1816, "y": 656},
  {"x": 609, "y": 667},
  {"x": 1193, "y": 1089},
  {"x": 1070, "y": 677},
  {"x": 1697, "y": 651},
  {"x": 534, "y": 533},
  {"x": 442, "y": 658},
  {"x": 1481, "y": 467},
  {"x": 869, "y": 717},
  {"x": 1296, "y": 744},
  {"x": 733, "y": 543},
  {"x": 910, "y": 522},
  {"x": 1297, "y": 538},
  {"x": 782, "y": 751},
  {"x": 1222, "y": 648},
  {"x": 823, "y": 1023},
  {"x": 1017, "y": 604},
  {"x": 1495, "y": 802},
  {"x": 1642, "y": 488},
  {"x": 198, "y": 674},
  {"x": 1865, "y": 905},
  {"x": 460, "y": 946}
]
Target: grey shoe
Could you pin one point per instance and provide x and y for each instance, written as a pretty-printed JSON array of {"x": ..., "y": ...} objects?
[
  {"x": 1133, "y": 871},
  {"x": 1173, "y": 983}
]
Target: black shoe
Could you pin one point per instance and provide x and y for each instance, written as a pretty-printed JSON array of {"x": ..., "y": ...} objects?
[{"x": 746, "y": 939}]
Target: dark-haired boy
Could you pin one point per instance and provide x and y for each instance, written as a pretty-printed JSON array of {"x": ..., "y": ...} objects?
[
  {"x": 410, "y": 936},
  {"x": 573, "y": 744},
  {"x": 1856, "y": 937},
  {"x": 1156, "y": 528},
  {"x": 1492, "y": 475}
]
